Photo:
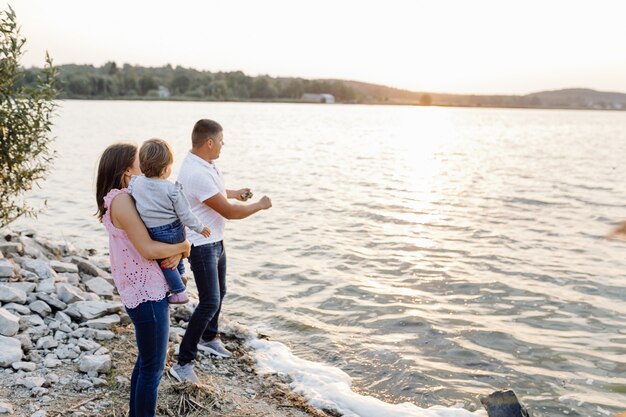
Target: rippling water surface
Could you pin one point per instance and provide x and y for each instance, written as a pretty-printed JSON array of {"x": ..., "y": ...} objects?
[{"x": 434, "y": 254}]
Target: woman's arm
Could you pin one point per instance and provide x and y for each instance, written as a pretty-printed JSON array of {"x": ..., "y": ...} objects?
[{"x": 124, "y": 215}]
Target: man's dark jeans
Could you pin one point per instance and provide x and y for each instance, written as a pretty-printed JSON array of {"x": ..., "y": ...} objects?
[
  {"x": 171, "y": 233},
  {"x": 208, "y": 263},
  {"x": 152, "y": 327}
]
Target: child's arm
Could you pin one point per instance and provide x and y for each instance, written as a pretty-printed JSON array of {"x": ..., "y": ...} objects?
[
  {"x": 184, "y": 213},
  {"x": 123, "y": 212}
]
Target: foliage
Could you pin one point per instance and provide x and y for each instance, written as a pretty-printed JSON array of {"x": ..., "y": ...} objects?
[
  {"x": 26, "y": 108},
  {"x": 128, "y": 81}
]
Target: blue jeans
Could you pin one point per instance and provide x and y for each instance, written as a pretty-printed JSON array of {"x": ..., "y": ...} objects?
[
  {"x": 208, "y": 263},
  {"x": 171, "y": 233},
  {"x": 152, "y": 323}
]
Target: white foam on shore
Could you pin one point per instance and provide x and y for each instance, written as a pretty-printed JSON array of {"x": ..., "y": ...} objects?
[{"x": 327, "y": 387}]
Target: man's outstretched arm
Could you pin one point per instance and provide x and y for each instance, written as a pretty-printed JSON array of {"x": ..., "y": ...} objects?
[{"x": 233, "y": 211}]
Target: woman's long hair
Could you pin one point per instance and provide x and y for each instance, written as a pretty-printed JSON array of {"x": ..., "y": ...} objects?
[{"x": 115, "y": 160}]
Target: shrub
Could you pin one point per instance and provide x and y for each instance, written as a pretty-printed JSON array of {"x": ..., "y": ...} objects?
[{"x": 25, "y": 122}]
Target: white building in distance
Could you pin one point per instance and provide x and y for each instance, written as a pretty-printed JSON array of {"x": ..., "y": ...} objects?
[{"x": 318, "y": 98}]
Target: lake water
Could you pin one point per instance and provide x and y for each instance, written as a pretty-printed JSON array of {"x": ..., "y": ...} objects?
[{"x": 432, "y": 254}]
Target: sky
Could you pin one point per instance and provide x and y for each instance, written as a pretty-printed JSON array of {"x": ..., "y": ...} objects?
[{"x": 453, "y": 46}]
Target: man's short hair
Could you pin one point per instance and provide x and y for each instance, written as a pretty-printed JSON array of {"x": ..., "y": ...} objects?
[
  {"x": 203, "y": 130},
  {"x": 154, "y": 156}
]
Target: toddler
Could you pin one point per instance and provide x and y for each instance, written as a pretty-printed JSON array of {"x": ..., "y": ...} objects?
[{"x": 164, "y": 208}]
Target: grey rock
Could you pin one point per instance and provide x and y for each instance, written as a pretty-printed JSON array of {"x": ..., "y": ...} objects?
[
  {"x": 52, "y": 378},
  {"x": 65, "y": 352},
  {"x": 38, "y": 391},
  {"x": 52, "y": 301},
  {"x": 24, "y": 366},
  {"x": 38, "y": 331},
  {"x": 27, "y": 344},
  {"x": 69, "y": 293},
  {"x": 11, "y": 248},
  {"x": 100, "y": 286},
  {"x": 62, "y": 318},
  {"x": 104, "y": 323},
  {"x": 10, "y": 294},
  {"x": 46, "y": 285},
  {"x": 27, "y": 287},
  {"x": 33, "y": 249},
  {"x": 97, "y": 363},
  {"x": 103, "y": 335},
  {"x": 70, "y": 278},
  {"x": 47, "y": 342},
  {"x": 51, "y": 361},
  {"x": 40, "y": 308},
  {"x": 90, "y": 296},
  {"x": 9, "y": 323},
  {"x": 59, "y": 266},
  {"x": 17, "y": 308},
  {"x": 10, "y": 351},
  {"x": 89, "y": 268},
  {"x": 32, "y": 381},
  {"x": 503, "y": 403},
  {"x": 41, "y": 268},
  {"x": 89, "y": 310},
  {"x": 7, "y": 268},
  {"x": 98, "y": 382},
  {"x": 6, "y": 408},
  {"x": 39, "y": 413},
  {"x": 84, "y": 384},
  {"x": 88, "y": 345},
  {"x": 29, "y": 276},
  {"x": 30, "y": 321},
  {"x": 60, "y": 336}
]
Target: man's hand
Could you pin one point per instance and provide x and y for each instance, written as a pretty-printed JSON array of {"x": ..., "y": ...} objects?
[
  {"x": 244, "y": 194},
  {"x": 265, "y": 202},
  {"x": 206, "y": 232}
]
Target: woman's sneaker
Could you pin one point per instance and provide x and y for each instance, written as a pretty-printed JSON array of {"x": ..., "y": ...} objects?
[
  {"x": 178, "y": 298},
  {"x": 184, "y": 373},
  {"x": 214, "y": 347}
]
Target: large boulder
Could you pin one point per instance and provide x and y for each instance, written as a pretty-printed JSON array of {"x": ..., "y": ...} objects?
[
  {"x": 10, "y": 351},
  {"x": 503, "y": 403}
]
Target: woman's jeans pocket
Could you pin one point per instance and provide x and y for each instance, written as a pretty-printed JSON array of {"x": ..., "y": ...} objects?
[{"x": 143, "y": 313}]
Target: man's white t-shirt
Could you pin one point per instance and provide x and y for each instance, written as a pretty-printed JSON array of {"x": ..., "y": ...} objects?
[{"x": 202, "y": 180}]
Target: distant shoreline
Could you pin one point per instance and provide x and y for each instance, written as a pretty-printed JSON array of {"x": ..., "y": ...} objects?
[{"x": 296, "y": 101}]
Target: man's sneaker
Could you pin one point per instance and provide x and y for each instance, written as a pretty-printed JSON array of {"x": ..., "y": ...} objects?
[
  {"x": 178, "y": 298},
  {"x": 184, "y": 373},
  {"x": 214, "y": 347}
]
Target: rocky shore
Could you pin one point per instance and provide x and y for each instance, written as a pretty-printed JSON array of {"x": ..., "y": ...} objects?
[{"x": 67, "y": 346}]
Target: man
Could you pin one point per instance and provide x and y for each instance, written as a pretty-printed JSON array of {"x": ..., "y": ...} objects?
[{"x": 207, "y": 194}]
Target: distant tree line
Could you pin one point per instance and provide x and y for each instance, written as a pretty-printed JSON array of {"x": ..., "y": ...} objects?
[{"x": 129, "y": 81}]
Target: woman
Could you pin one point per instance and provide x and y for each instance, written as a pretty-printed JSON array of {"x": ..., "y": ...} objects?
[{"x": 137, "y": 276}]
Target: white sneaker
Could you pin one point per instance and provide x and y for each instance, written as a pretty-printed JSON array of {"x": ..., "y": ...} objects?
[
  {"x": 214, "y": 347},
  {"x": 184, "y": 373}
]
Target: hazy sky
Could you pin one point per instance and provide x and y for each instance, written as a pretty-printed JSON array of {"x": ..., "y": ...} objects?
[{"x": 477, "y": 46}]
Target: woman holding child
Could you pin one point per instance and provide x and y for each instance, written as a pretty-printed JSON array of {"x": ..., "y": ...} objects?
[{"x": 138, "y": 278}]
